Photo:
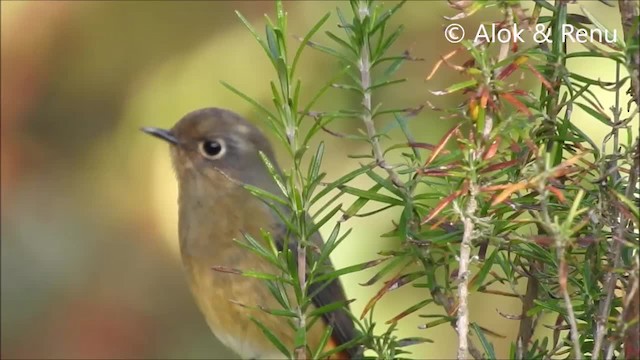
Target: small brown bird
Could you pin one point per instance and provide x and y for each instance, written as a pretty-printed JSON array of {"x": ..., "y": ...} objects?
[{"x": 214, "y": 153}]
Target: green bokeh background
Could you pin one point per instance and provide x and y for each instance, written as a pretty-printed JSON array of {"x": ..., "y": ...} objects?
[{"x": 90, "y": 267}]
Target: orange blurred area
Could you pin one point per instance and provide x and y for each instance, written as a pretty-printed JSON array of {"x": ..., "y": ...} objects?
[{"x": 89, "y": 241}]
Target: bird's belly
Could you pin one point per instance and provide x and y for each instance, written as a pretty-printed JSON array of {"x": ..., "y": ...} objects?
[{"x": 229, "y": 300}]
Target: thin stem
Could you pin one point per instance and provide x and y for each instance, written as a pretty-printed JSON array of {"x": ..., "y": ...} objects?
[
  {"x": 627, "y": 307},
  {"x": 628, "y": 313},
  {"x": 630, "y": 316},
  {"x": 616, "y": 246},
  {"x": 463, "y": 274},
  {"x": 632, "y": 304},
  {"x": 364, "y": 65},
  {"x": 629, "y": 15},
  {"x": 450, "y": 307},
  {"x": 562, "y": 278},
  {"x": 527, "y": 323}
]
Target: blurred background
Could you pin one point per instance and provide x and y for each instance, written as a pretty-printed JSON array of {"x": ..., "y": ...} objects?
[{"x": 90, "y": 267}]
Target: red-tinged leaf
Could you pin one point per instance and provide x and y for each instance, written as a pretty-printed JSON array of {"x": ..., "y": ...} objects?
[
  {"x": 567, "y": 166},
  {"x": 440, "y": 170},
  {"x": 435, "y": 172},
  {"x": 375, "y": 262},
  {"x": 440, "y": 206},
  {"x": 586, "y": 240},
  {"x": 439, "y": 223},
  {"x": 378, "y": 296},
  {"x": 236, "y": 302},
  {"x": 562, "y": 172},
  {"x": 493, "y": 188},
  {"x": 394, "y": 263},
  {"x": 469, "y": 63},
  {"x": 515, "y": 147},
  {"x": 519, "y": 92},
  {"x": 507, "y": 70},
  {"x": 460, "y": 4},
  {"x": 440, "y": 62},
  {"x": 443, "y": 142},
  {"x": 514, "y": 48},
  {"x": 444, "y": 202},
  {"x": 542, "y": 79},
  {"x": 484, "y": 97},
  {"x": 508, "y": 191},
  {"x": 468, "y": 7},
  {"x": 409, "y": 311},
  {"x": 543, "y": 240},
  {"x": 426, "y": 146},
  {"x": 557, "y": 193},
  {"x": 572, "y": 160},
  {"x": 493, "y": 149},
  {"x": 405, "y": 279},
  {"x": 516, "y": 103},
  {"x": 226, "y": 270},
  {"x": 590, "y": 165},
  {"x": 499, "y": 166},
  {"x": 455, "y": 67}
]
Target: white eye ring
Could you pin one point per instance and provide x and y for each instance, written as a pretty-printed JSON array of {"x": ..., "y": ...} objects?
[{"x": 212, "y": 149}]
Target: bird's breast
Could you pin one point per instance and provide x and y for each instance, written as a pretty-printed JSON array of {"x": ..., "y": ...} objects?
[{"x": 228, "y": 301}]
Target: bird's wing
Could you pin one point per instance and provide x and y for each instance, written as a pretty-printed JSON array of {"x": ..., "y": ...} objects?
[
  {"x": 322, "y": 293},
  {"x": 326, "y": 293}
]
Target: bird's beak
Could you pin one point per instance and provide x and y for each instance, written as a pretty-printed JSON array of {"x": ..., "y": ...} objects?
[{"x": 163, "y": 134}]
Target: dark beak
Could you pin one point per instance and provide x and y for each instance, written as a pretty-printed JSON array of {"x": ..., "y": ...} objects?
[{"x": 163, "y": 134}]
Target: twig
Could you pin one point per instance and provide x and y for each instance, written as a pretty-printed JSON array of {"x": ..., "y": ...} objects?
[
  {"x": 627, "y": 316},
  {"x": 450, "y": 307},
  {"x": 630, "y": 316},
  {"x": 628, "y": 15},
  {"x": 611, "y": 277},
  {"x": 562, "y": 278},
  {"x": 631, "y": 304},
  {"x": 631, "y": 307},
  {"x": 463, "y": 274},
  {"x": 364, "y": 65},
  {"x": 527, "y": 325},
  {"x": 561, "y": 243}
]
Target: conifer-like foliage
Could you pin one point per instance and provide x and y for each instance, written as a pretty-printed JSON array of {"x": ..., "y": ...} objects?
[{"x": 517, "y": 192}]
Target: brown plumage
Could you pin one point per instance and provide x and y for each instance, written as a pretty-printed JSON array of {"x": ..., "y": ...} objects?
[{"x": 214, "y": 152}]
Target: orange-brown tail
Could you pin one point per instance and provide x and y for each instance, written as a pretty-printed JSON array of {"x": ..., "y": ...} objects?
[{"x": 343, "y": 355}]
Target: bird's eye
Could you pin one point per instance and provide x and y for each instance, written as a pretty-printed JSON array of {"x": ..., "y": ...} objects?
[{"x": 212, "y": 149}]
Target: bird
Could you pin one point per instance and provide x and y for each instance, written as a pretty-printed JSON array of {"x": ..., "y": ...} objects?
[{"x": 215, "y": 153}]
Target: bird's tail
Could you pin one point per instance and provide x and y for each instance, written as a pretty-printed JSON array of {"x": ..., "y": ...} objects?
[{"x": 342, "y": 355}]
